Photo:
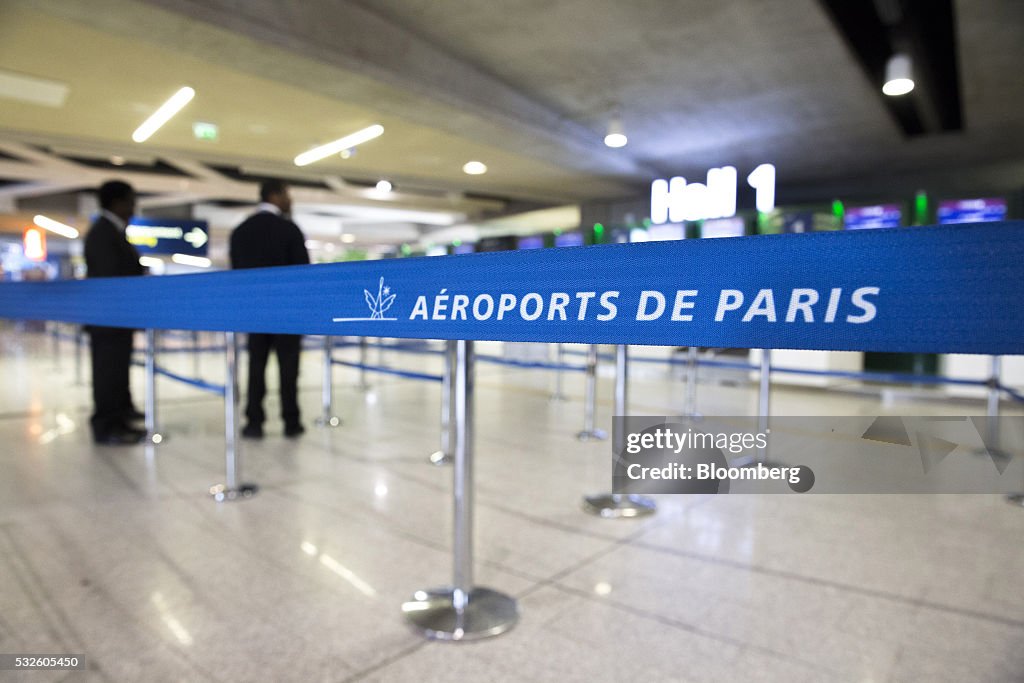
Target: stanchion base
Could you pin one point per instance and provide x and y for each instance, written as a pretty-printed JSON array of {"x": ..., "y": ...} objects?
[
  {"x": 440, "y": 458},
  {"x": 332, "y": 421},
  {"x": 611, "y": 505},
  {"x": 487, "y": 613},
  {"x": 222, "y": 493},
  {"x": 592, "y": 435},
  {"x": 1016, "y": 499}
]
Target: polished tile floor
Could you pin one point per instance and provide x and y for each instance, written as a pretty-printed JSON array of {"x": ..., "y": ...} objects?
[{"x": 120, "y": 554}]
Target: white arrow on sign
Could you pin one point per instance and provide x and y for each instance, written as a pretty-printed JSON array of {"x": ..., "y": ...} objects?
[{"x": 196, "y": 237}]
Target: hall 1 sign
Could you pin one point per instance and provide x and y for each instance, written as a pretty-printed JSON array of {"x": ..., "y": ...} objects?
[
  {"x": 169, "y": 236},
  {"x": 676, "y": 200}
]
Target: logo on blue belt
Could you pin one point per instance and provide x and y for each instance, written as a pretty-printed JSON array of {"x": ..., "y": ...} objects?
[{"x": 378, "y": 304}]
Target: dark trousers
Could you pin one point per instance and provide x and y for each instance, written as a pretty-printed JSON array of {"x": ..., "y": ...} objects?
[
  {"x": 111, "y": 351},
  {"x": 287, "y": 347}
]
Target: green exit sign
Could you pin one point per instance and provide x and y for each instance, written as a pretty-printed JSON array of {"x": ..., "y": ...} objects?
[{"x": 204, "y": 131}]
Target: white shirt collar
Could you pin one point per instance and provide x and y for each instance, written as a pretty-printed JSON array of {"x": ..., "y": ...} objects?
[
  {"x": 267, "y": 206},
  {"x": 115, "y": 219}
]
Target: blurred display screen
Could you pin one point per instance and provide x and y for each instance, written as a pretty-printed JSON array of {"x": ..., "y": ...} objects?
[
  {"x": 569, "y": 239},
  {"x": 666, "y": 232},
  {"x": 972, "y": 211},
  {"x": 464, "y": 248},
  {"x": 503, "y": 243},
  {"x": 723, "y": 227},
  {"x": 870, "y": 217},
  {"x": 531, "y": 242}
]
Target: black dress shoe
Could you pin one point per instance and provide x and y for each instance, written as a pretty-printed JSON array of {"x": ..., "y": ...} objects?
[
  {"x": 120, "y": 437},
  {"x": 252, "y": 431},
  {"x": 134, "y": 415},
  {"x": 292, "y": 431}
]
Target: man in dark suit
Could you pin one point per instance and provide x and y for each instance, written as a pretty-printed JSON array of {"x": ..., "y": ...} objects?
[
  {"x": 108, "y": 254},
  {"x": 270, "y": 238}
]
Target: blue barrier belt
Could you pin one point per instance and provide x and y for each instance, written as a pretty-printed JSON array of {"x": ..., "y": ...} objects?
[
  {"x": 197, "y": 383},
  {"x": 943, "y": 289},
  {"x": 408, "y": 374}
]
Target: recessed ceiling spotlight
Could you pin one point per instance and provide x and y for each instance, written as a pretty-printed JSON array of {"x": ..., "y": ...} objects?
[
  {"x": 332, "y": 148},
  {"x": 475, "y": 168},
  {"x": 615, "y": 136},
  {"x": 384, "y": 186},
  {"x": 163, "y": 114},
  {"x": 899, "y": 78}
]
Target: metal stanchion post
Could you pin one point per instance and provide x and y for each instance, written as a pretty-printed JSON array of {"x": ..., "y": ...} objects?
[
  {"x": 763, "y": 413},
  {"x": 195, "y": 353},
  {"x": 463, "y": 611},
  {"x": 590, "y": 433},
  {"x": 231, "y": 489},
  {"x": 691, "y": 383},
  {"x": 558, "y": 395},
  {"x": 55, "y": 338},
  {"x": 617, "y": 504},
  {"x": 78, "y": 356},
  {"x": 992, "y": 412},
  {"x": 327, "y": 417},
  {"x": 363, "y": 384},
  {"x": 444, "y": 455},
  {"x": 152, "y": 435}
]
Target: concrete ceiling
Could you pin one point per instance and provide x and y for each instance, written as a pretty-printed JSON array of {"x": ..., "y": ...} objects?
[{"x": 526, "y": 86}]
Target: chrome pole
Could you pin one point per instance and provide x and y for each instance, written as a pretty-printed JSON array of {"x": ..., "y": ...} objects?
[
  {"x": 363, "y": 384},
  {"x": 558, "y": 395},
  {"x": 691, "y": 383},
  {"x": 764, "y": 399},
  {"x": 152, "y": 435},
  {"x": 463, "y": 611},
  {"x": 463, "y": 486},
  {"x": 444, "y": 455},
  {"x": 78, "y": 356},
  {"x": 327, "y": 417},
  {"x": 590, "y": 433},
  {"x": 55, "y": 338},
  {"x": 616, "y": 504},
  {"x": 231, "y": 489},
  {"x": 993, "y": 387},
  {"x": 195, "y": 354}
]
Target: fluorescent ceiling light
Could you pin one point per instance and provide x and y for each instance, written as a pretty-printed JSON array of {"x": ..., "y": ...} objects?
[
  {"x": 55, "y": 227},
  {"x": 163, "y": 114},
  {"x": 475, "y": 168},
  {"x": 384, "y": 186},
  {"x": 899, "y": 79},
  {"x": 32, "y": 90},
  {"x": 197, "y": 261},
  {"x": 336, "y": 147}
]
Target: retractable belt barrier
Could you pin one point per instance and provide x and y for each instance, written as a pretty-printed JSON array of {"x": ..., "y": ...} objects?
[
  {"x": 948, "y": 289},
  {"x": 952, "y": 289}
]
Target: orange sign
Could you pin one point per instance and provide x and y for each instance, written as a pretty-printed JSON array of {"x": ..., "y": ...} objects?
[{"x": 35, "y": 244}]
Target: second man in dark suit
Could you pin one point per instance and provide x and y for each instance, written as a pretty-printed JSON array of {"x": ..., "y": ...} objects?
[{"x": 270, "y": 238}]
